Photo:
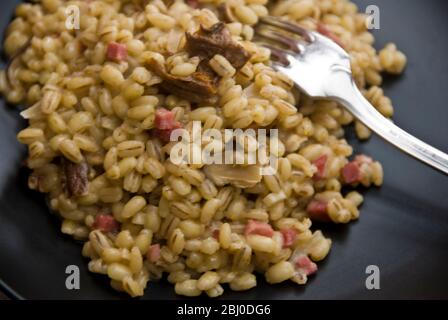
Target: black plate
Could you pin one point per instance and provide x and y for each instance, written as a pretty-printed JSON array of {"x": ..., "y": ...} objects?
[{"x": 403, "y": 227}]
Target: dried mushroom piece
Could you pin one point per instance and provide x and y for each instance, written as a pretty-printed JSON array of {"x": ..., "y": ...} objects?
[
  {"x": 206, "y": 43},
  {"x": 238, "y": 176},
  {"x": 76, "y": 181},
  {"x": 200, "y": 87}
]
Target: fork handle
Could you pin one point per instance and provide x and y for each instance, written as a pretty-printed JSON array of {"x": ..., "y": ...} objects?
[{"x": 343, "y": 89}]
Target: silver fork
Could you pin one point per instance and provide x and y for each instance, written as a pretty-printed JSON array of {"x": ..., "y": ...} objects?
[{"x": 321, "y": 69}]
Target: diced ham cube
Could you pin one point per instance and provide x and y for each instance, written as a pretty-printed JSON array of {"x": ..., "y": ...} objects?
[
  {"x": 106, "y": 223},
  {"x": 165, "y": 123},
  {"x": 323, "y": 30},
  {"x": 116, "y": 52},
  {"x": 305, "y": 265},
  {"x": 165, "y": 119},
  {"x": 317, "y": 210},
  {"x": 320, "y": 164},
  {"x": 351, "y": 173},
  {"x": 153, "y": 254},
  {"x": 165, "y": 134},
  {"x": 289, "y": 236},
  {"x": 259, "y": 228}
]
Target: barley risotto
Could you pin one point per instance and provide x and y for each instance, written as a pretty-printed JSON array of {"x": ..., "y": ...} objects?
[{"x": 103, "y": 99}]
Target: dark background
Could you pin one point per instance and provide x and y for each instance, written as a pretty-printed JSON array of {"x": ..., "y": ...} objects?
[{"x": 403, "y": 227}]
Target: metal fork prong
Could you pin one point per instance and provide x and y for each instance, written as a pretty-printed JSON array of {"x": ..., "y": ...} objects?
[
  {"x": 289, "y": 26},
  {"x": 278, "y": 55},
  {"x": 274, "y": 36},
  {"x": 279, "y": 67}
]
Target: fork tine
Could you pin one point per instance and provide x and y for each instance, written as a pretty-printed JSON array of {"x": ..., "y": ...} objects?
[
  {"x": 277, "y": 54},
  {"x": 278, "y": 37},
  {"x": 289, "y": 26}
]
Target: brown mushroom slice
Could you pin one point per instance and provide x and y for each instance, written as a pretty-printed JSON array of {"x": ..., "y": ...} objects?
[
  {"x": 200, "y": 87},
  {"x": 76, "y": 181},
  {"x": 238, "y": 176},
  {"x": 206, "y": 43}
]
